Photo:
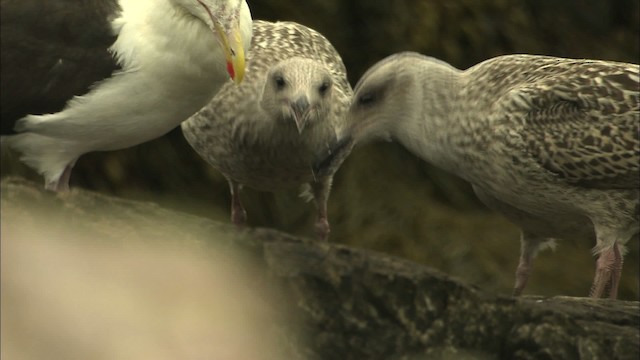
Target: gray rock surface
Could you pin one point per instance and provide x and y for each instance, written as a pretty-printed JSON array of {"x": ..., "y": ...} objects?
[{"x": 358, "y": 304}]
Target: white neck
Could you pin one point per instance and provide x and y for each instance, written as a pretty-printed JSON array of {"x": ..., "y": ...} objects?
[
  {"x": 425, "y": 129},
  {"x": 154, "y": 34}
]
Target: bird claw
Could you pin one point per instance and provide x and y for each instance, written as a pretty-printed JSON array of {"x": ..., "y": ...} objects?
[
  {"x": 322, "y": 229},
  {"x": 239, "y": 216},
  {"x": 608, "y": 271}
]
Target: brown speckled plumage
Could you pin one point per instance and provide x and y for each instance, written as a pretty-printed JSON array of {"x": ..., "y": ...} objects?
[
  {"x": 252, "y": 132},
  {"x": 565, "y": 128},
  {"x": 552, "y": 143}
]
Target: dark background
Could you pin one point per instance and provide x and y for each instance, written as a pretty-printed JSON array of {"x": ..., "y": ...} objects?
[{"x": 384, "y": 198}]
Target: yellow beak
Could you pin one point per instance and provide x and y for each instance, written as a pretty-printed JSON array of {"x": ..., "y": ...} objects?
[{"x": 234, "y": 51}]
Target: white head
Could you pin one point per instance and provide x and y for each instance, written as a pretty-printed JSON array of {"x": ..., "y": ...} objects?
[
  {"x": 384, "y": 97},
  {"x": 298, "y": 90},
  {"x": 230, "y": 20},
  {"x": 381, "y": 100}
]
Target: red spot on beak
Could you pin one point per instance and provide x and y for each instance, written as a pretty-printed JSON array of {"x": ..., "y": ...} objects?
[{"x": 230, "y": 70}]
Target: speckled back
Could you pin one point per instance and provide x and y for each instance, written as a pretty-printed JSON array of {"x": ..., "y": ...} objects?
[{"x": 237, "y": 137}]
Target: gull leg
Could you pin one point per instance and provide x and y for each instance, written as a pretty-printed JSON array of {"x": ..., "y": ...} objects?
[
  {"x": 321, "y": 190},
  {"x": 530, "y": 245},
  {"x": 609, "y": 262},
  {"x": 238, "y": 213},
  {"x": 528, "y": 250},
  {"x": 616, "y": 272},
  {"x": 61, "y": 184},
  {"x": 522, "y": 273},
  {"x": 608, "y": 271}
]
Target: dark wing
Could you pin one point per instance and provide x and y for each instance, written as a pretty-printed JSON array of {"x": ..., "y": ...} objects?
[
  {"x": 584, "y": 125},
  {"x": 51, "y": 51}
]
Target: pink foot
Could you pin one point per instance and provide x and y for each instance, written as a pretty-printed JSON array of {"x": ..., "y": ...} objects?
[
  {"x": 321, "y": 190},
  {"x": 322, "y": 228},
  {"x": 62, "y": 183},
  {"x": 522, "y": 276},
  {"x": 238, "y": 216},
  {"x": 238, "y": 213},
  {"x": 608, "y": 270},
  {"x": 529, "y": 245}
]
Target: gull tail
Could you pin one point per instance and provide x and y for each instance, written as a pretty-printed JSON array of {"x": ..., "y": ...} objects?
[
  {"x": 23, "y": 124},
  {"x": 47, "y": 155},
  {"x": 48, "y": 124}
]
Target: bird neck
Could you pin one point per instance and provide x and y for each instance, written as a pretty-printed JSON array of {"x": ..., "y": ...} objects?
[
  {"x": 431, "y": 121},
  {"x": 159, "y": 36},
  {"x": 165, "y": 54}
]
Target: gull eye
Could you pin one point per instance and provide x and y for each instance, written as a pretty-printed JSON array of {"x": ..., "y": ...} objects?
[
  {"x": 280, "y": 83},
  {"x": 324, "y": 87},
  {"x": 367, "y": 99}
]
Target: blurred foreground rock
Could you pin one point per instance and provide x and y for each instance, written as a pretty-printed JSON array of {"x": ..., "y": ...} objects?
[{"x": 341, "y": 302}]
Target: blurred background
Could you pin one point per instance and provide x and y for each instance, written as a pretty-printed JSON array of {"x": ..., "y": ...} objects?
[{"x": 384, "y": 198}]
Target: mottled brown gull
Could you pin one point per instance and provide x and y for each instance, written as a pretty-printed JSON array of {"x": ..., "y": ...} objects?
[
  {"x": 268, "y": 132},
  {"x": 173, "y": 55},
  {"x": 551, "y": 143}
]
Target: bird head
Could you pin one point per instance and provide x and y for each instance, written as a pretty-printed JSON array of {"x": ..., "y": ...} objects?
[
  {"x": 373, "y": 114},
  {"x": 231, "y": 21},
  {"x": 298, "y": 90},
  {"x": 376, "y": 107}
]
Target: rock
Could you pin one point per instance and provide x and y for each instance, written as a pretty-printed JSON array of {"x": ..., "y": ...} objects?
[{"x": 353, "y": 303}]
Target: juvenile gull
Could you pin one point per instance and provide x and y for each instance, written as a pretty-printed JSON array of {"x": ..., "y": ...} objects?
[
  {"x": 268, "y": 132},
  {"x": 174, "y": 56},
  {"x": 551, "y": 143}
]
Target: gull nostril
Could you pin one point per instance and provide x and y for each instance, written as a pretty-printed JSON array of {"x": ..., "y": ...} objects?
[{"x": 301, "y": 105}]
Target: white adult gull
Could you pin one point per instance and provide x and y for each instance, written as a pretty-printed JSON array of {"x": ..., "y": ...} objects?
[
  {"x": 174, "y": 56},
  {"x": 551, "y": 143}
]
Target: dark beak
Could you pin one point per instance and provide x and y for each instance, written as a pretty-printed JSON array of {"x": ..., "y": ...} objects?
[
  {"x": 300, "y": 109},
  {"x": 333, "y": 158}
]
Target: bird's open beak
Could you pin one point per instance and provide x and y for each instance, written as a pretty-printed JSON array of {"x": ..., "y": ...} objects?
[
  {"x": 231, "y": 40},
  {"x": 300, "y": 112}
]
